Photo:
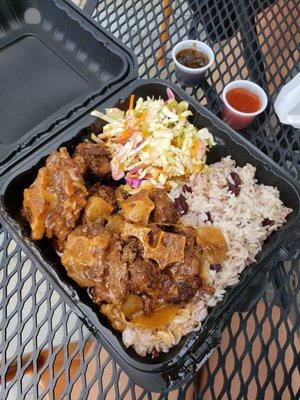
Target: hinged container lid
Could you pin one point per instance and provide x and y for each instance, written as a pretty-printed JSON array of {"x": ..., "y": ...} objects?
[{"x": 55, "y": 64}]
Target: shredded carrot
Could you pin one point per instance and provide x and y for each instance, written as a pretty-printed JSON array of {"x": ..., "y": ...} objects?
[
  {"x": 123, "y": 136},
  {"x": 131, "y": 102}
]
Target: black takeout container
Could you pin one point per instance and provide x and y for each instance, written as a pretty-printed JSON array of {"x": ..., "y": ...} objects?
[
  {"x": 170, "y": 370},
  {"x": 55, "y": 66}
]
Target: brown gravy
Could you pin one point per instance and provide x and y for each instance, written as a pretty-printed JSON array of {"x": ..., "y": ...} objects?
[{"x": 192, "y": 58}]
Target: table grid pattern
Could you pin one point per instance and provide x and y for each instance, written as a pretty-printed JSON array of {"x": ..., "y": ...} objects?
[{"x": 45, "y": 351}]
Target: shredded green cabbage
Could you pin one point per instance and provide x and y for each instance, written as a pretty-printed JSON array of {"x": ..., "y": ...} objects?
[{"x": 154, "y": 143}]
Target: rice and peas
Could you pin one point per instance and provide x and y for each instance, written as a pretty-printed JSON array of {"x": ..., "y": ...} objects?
[{"x": 163, "y": 149}]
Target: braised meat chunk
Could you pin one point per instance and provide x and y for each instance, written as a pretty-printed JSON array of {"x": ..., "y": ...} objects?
[
  {"x": 113, "y": 288},
  {"x": 85, "y": 252},
  {"x": 38, "y": 203},
  {"x": 52, "y": 204},
  {"x": 95, "y": 157},
  {"x": 193, "y": 269},
  {"x": 132, "y": 249},
  {"x": 164, "y": 212},
  {"x": 161, "y": 288},
  {"x": 144, "y": 277},
  {"x": 163, "y": 247},
  {"x": 93, "y": 258},
  {"x": 186, "y": 275},
  {"x": 166, "y": 248},
  {"x": 188, "y": 270},
  {"x": 156, "y": 288}
]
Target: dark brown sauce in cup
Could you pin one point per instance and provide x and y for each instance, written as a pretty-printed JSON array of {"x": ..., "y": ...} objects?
[{"x": 192, "y": 58}]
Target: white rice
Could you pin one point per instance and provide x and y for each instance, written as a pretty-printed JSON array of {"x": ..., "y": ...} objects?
[{"x": 240, "y": 218}]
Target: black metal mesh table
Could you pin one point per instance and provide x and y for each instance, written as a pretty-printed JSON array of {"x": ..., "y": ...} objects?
[{"x": 45, "y": 350}]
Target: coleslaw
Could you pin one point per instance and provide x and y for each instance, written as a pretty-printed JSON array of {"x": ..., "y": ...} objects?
[{"x": 153, "y": 143}]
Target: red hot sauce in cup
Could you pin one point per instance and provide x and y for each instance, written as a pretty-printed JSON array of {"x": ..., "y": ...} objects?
[{"x": 243, "y": 100}]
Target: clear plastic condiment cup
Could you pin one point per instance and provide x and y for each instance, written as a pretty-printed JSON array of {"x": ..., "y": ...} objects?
[
  {"x": 191, "y": 76},
  {"x": 238, "y": 119}
]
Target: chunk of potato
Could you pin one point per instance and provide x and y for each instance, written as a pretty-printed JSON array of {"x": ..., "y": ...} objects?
[
  {"x": 96, "y": 208},
  {"x": 115, "y": 223},
  {"x": 213, "y": 244},
  {"x": 138, "y": 207},
  {"x": 132, "y": 306}
]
